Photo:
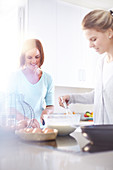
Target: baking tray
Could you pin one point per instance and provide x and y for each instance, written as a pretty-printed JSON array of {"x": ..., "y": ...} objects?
[{"x": 99, "y": 134}]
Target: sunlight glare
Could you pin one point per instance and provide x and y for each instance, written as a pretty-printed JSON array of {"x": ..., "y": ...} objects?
[{"x": 9, "y": 43}]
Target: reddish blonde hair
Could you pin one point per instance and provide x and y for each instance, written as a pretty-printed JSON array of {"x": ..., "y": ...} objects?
[{"x": 28, "y": 45}]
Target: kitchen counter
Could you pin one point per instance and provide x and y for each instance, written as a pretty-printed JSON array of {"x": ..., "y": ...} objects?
[{"x": 64, "y": 153}]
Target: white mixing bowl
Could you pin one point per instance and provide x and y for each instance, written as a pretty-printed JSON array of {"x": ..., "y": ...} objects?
[{"x": 65, "y": 124}]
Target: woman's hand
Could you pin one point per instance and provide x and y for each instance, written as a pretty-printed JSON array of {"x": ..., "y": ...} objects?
[
  {"x": 64, "y": 99},
  {"x": 26, "y": 123},
  {"x": 48, "y": 110},
  {"x": 21, "y": 124},
  {"x": 33, "y": 123}
]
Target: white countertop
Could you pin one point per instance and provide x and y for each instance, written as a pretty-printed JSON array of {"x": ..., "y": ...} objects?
[{"x": 18, "y": 155}]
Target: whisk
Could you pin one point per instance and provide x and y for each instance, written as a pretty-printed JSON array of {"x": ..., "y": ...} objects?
[
  {"x": 67, "y": 109},
  {"x": 21, "y": 101}
]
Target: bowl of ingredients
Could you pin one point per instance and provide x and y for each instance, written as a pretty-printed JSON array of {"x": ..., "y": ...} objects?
[
  {"x": 87, "y": 116},
  {"x": 65, "y": 124}
]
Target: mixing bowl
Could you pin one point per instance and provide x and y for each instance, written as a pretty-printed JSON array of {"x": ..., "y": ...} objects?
[{"x": 65, "y": 124}]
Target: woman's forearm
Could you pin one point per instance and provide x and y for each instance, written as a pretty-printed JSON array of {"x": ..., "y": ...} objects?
[
  {"x": 83, "y": 98},
  {"x": 48, "y": 110}
]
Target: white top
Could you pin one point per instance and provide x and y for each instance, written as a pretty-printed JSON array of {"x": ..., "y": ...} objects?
[
  {"x": 102, "y": 96},
  {"x": 36, "y": 95},
  {"x": 107, "y": 72}
]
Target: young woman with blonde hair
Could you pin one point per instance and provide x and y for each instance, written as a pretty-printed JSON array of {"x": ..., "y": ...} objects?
[{"x": 98, "y": 28}]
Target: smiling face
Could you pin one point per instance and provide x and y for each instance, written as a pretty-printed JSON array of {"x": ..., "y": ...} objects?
[
  {"x": 32, "y": 59},
  {"x": 98, "y": 40}
]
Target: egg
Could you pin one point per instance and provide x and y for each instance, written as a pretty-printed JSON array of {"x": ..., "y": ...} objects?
[
  {"x": 47, "y": 130},
  {"x": 37, "y": 130},
  {"x": 28, "y": 130}
]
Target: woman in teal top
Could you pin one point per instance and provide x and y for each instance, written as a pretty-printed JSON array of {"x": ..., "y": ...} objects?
[{"x": 31, "y": 84}]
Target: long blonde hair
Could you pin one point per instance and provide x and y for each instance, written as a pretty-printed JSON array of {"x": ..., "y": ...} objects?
[{"x": 100, "y": 20}]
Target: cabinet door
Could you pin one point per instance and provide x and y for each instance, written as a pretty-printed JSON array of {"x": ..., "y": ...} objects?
[
  {"x": 75, "y": 61},
  {"x": 68, "y": 43}
]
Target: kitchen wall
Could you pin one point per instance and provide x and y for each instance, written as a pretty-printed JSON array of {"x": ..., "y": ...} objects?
[{"x": 78, "y": 108}]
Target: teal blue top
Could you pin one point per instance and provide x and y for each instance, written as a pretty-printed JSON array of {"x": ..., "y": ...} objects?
[{"x": 38, "y": 95}]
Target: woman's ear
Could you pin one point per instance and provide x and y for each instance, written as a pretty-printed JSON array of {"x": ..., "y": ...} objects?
[{"x": 110, "y": 33}]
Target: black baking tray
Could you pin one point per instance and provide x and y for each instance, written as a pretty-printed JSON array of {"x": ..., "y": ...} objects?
[
  {"x": 99, "y": 134},
  {"x": 96, "y": 148}
]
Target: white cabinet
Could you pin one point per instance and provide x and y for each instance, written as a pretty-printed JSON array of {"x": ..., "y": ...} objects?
[
  {"x": 76, "y": 62},
  {"x": 67, "y": 55}
]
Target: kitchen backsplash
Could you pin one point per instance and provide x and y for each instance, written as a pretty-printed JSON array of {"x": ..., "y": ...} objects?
[{"x": 77, "y": 108}]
